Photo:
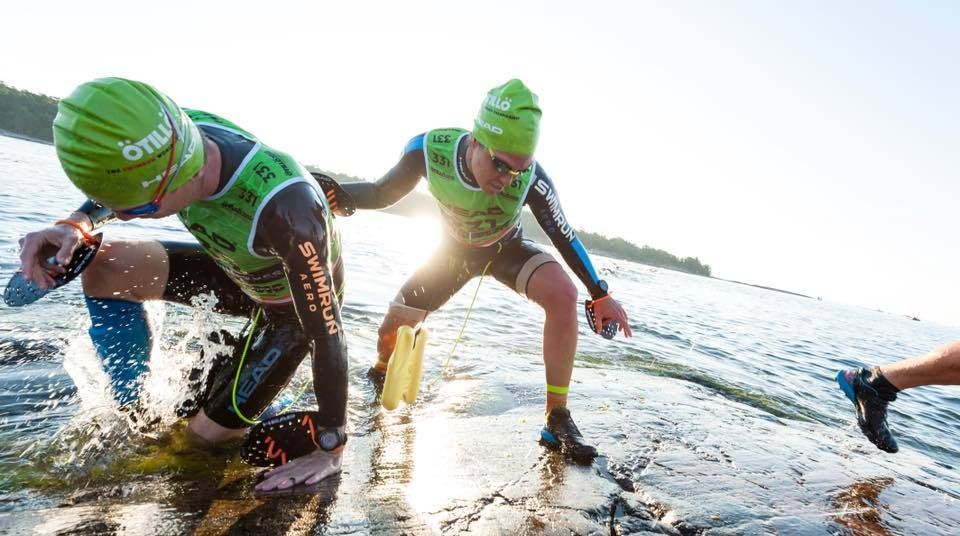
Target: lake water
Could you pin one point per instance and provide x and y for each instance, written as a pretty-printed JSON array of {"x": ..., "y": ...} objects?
[{"x": 719, "y": 416}]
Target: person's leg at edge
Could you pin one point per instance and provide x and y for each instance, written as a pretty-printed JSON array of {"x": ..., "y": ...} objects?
[
  {"x": 872, "y": 390},
  {"x": 533, "y": 273},
  {"x": 939, "y": 367}
]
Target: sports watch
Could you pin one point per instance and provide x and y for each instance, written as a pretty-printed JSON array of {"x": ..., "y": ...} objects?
[
  {"x": 331, "y": 439},
  {"x": 602, "y": 285}
]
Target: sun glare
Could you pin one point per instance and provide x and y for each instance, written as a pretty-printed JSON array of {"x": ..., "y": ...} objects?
[
  {"x": 416, "y": 238},
  {"x": 435, "y": 456}
]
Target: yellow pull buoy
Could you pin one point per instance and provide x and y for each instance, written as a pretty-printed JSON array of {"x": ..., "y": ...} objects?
[{"x": 405, "y": 368}]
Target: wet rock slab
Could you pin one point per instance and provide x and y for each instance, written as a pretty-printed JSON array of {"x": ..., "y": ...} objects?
[{"x": 678, "y": 459}]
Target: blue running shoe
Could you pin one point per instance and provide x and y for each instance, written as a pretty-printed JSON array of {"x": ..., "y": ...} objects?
[
  {"x": 871, "y": 409},
  {"x": 561, "y": 433}
]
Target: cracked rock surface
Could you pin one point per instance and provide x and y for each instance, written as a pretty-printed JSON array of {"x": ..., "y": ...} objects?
[{"x": 676, "y": 459}]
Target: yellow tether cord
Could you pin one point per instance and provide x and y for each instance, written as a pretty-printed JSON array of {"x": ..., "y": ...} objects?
[{"x": 463, "y": 326}]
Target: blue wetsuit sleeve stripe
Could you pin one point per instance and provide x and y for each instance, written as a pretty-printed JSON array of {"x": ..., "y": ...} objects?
[
  {"x": 415, "y": 143},
  {"x": 585, "y": 259}
]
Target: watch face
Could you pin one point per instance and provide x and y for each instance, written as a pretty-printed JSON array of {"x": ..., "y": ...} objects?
[
  {"x": 329, "y": 440},
  {"x": 602, "y": 284}
]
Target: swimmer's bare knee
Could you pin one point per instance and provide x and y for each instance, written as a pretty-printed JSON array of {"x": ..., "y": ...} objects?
[
  {"x": 387, "y": 327},
  {"x": 127, "y": 270},
  {"x": 99, "y": 278}
]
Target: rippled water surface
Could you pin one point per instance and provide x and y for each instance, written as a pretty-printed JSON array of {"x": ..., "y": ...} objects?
[{"x": 719, "y": 416}]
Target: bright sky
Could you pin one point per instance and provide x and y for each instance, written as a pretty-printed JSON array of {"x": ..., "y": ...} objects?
[{"x": 810, "y": 146}]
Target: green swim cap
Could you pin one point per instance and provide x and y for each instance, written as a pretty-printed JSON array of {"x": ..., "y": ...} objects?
[
  {"x": 113, "y": 138},
  {"x": 509, "y": 119}
]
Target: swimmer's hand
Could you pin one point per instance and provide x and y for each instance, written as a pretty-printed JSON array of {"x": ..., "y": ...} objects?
[
  {"x": 340, "y": 201},
  {"x": 307, "y": 470},
  {"x": 602, "y": 311},
  {"x": 61, "y": 240}
]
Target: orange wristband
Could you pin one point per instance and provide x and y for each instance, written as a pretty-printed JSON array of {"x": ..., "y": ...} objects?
[
  {"x": 77, "y": 226},
  {"x": 598, "y": 300}
]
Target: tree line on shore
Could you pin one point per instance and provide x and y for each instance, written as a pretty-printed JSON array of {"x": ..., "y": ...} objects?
[{"x": 27, "y": 114}]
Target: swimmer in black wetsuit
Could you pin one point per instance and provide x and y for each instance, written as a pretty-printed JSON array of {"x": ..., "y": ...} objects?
[
  {"x": 482, "y": 180},
  {"x": 266, "y": 241}
]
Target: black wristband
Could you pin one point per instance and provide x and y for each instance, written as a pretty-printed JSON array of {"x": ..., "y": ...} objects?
[{"x": 99, "y": 215}]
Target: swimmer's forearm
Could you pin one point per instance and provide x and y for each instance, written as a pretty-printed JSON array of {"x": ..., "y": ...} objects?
[
  {"x": 390, "y": 188},
  {"x": 293, "y": 228}
]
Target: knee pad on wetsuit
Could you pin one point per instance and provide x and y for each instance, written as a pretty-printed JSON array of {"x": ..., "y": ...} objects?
[{"x": 121, "y": 336}]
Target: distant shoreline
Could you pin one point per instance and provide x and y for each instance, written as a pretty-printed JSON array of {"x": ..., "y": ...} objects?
[
  {"x": 10, "y": 134},
  {"x": 765, "y": 287}
]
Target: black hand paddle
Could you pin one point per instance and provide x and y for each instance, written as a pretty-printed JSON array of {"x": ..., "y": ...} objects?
[
  {"x": 609, "y": 327},
  {"x": 20, "y": 291}
]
